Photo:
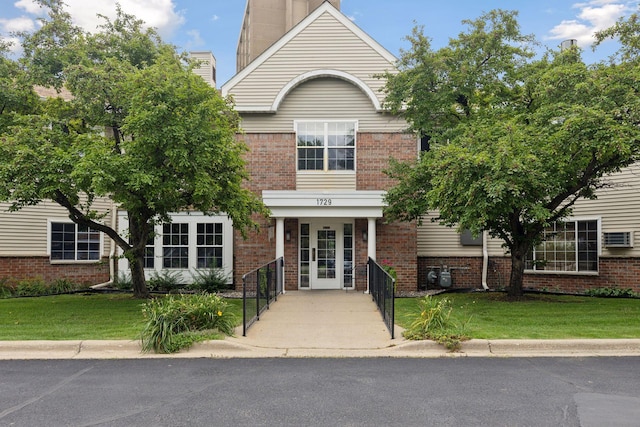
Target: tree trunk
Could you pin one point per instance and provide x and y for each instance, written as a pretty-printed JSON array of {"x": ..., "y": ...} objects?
[
  {"x": 139, "y": 234},
  {"x": 137, "y": 277},
  {"x": 518, "y": 256}
]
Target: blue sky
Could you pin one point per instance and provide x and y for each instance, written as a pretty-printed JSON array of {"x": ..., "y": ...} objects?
[{"x": 215, "y": 24}]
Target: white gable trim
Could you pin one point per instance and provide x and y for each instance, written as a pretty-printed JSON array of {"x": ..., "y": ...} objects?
[
  {"x": 315, "y": 74},
  {"x": 326, "y": 7}
]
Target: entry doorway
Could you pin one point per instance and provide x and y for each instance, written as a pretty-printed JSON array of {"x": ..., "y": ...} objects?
[{"x": 326, "y": 254}]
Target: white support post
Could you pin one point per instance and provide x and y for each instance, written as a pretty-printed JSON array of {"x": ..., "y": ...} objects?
[
  {"x": 280, "y": 242},
  {"x": 371, "y": 238},
  {"x": 371, "y": 243}
]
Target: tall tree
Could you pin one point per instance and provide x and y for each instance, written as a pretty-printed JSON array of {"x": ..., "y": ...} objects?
[
  {"x": 515, "y": 141},
  {"x": 16, "y": 94},
  {"x": 170, "y": 141}
]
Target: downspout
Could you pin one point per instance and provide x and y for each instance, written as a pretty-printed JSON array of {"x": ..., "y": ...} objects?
[
  {"x": 112, "y": 256},
  {"x": 485, "y": 261}
]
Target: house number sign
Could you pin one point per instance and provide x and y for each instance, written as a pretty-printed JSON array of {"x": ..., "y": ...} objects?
[{"x": 324, "y": 202}]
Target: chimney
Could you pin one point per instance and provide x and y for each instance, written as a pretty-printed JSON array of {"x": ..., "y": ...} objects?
[{"x": 207, "y": 67}]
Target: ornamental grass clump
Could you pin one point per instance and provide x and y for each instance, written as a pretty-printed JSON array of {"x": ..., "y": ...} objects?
[
  {"x": 435, "y": 323},
  {"x": 175, "y": 322}
]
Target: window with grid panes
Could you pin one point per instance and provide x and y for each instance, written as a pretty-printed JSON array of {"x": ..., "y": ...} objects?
[
  {"x": 72, "y": 242},
  {"x": 326, "y": 146},
  {"x": 175, "y": 245},
  {"x": 209, "y": 245},
  {"x": 567, "y": 246}
]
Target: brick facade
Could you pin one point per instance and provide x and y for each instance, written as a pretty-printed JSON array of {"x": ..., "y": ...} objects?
[
  {"x": 373, "y": 153},
  {"x": 622, "y": 273},
  {"x": 15, "y": 269},
  {"x": 271, "y": 162}
]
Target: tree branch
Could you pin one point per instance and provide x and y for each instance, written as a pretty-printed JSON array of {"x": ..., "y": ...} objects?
[{"x": 79, "y": 218}]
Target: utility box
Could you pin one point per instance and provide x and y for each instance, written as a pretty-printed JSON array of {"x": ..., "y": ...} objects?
[{"x": 444, "y": 279}]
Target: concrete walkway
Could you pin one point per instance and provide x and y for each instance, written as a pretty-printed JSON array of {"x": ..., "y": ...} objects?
[
  {"x": 305, "y": 321},
  {"x": 321, "y": 324}
]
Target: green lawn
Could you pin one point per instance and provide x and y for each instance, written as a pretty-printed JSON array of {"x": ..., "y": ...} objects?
[
  {"x": 76, "y": 317},
  {"x": 489, "y": 315}
]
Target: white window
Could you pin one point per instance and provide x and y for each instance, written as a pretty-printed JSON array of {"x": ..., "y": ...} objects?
[
  {"x": 326, "y": 146},
  {"x": 568, "y": 246},
  {"x": 69, "y": 241},
  {"x": 191, "y": 242},
  {"x": 175, "y": 245},
  {"x": 209, "y": 245}
]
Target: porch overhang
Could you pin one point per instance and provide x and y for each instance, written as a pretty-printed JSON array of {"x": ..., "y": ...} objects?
[{"x": 324, "y": 204}]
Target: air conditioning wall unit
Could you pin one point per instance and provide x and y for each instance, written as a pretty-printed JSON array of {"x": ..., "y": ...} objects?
[{"x": 618, "y": 239}]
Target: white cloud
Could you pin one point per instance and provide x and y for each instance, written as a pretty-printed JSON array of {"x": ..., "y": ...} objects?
[
  {"x": 30, "y": 6},
  {"x": 593, "y": 16},
  {"x": 160, "y": 14},
  {"x": 214, "y": 18},
  {"x": 195, "y": 40},
  {"x": 21, "y": 23}
]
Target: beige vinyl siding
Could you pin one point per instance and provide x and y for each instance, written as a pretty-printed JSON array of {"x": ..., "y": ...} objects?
[
  {"x": 437, "y": 240},
  {"x": 324, "y": 99},
  {"x": 24, "y": 233},
  {"x": 618, "y": 207},
  {"x": 324, "y": 44},
  {"x": 325, "y": 181}
]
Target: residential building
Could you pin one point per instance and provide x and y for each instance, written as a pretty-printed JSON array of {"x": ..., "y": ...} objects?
[{"x": 319, "y": 140}]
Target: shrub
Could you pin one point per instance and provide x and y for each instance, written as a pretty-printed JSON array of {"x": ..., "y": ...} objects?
[
  {"x": 386, "y": 266},
  {"x": 62, "y": 286},
  {"x": 212, "y": 280},
  {"x": 6, "y": 290},
  {"x": 31, "y": 288},
  {"x": 176, "y": 322},
  {"x": 612, "y": 292},
  {"x": 123, "y": 282},
  {"x": 166, "y": 281},
  {"x": 435, "y": 323}
]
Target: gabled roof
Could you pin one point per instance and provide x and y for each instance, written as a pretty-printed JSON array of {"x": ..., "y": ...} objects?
[{"x": 326, "y": 7}]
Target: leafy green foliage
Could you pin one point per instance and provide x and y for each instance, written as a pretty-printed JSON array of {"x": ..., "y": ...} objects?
[
  {"x": 612, "y": 292},
  {"x": 140, "y": 128},
  {"x": 123, "y": 282},
  {"x": 211, "y": 280},
  {"x": 63, "y": 286},
  {"x": 165, "y": 281},
  {"x": 37, "y": 287},
  {"x": 176, "y": 322},
  {"x": 515, "y": 141},
  {"x": 435, "y": 323}
]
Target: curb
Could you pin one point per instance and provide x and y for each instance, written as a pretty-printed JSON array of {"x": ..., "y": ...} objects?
[{"x": 226, "y": 349}]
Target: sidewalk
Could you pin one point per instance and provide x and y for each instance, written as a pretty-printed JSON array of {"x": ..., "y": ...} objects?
[{"x": 320, "y": 324}]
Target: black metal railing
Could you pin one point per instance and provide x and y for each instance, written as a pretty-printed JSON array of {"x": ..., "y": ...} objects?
[
  {"x": 260, "y": 288},
  {"x": 382, "y": 287}
]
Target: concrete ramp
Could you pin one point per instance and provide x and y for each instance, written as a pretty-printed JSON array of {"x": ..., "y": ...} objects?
[{"x": 321, "y": 320}]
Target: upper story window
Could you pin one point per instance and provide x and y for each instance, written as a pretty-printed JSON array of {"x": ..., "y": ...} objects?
[
  {"x": 326, "y": 146},
  {"x": 72, "y": 242},
  {"x": 569, "y": 246}
]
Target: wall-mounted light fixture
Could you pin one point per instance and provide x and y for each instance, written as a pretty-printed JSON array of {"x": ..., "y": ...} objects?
[
  {"x": 287, "y": 235},
  {"x": 364, "y": 235}
]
